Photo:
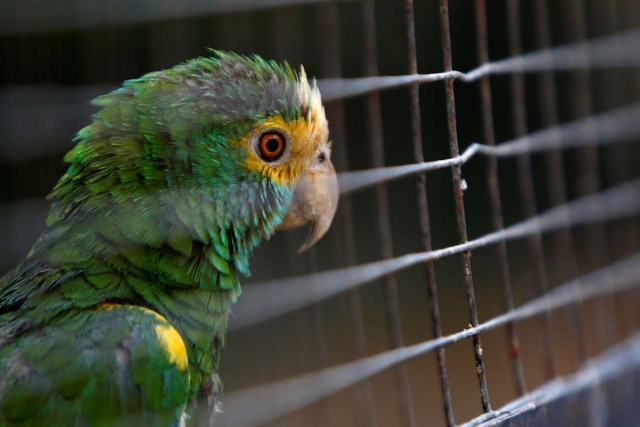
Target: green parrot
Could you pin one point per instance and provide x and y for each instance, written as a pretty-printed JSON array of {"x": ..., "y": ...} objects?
[{"x": 118, "y": 314}]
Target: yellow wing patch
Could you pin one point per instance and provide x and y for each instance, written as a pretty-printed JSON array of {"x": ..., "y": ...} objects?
[
  {"x": 168, "y": 337},
  {"x": 171, "y": 342}
]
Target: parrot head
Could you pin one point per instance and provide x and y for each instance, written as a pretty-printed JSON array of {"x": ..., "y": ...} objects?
[{"x": 227, "y": 142}]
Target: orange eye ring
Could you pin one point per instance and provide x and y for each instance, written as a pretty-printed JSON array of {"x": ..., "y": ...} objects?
[{"x": 271, "y": 146}]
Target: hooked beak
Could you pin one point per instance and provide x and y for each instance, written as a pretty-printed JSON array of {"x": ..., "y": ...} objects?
[{"x": 315, "y": 199}]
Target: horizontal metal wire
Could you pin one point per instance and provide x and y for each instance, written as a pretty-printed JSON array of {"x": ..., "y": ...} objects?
[
  {"x": 32, "y": 16},
  {"x": 265, "y": 300},
  {"x": 263, "y": 403},
  {"x": 616, "y": 50},
  {"x": 620, "y": 360},
  {"x": 615, "y": 126}
]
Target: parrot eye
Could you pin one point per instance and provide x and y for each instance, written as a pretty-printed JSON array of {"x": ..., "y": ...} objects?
[{"x": 271, "y": 146}]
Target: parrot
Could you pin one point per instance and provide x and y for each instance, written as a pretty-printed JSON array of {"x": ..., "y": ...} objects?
[{"x": 117, "y": 315}]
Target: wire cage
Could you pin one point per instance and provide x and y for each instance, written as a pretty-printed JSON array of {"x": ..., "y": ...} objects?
[{"x": 483, "y": 266}]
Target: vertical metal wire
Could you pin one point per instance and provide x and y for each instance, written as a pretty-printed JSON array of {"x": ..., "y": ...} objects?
[
  {"x": 494, "y": 194},
  {"x": 606, "y": 327},
  {"x": 589, "y": 181},
  {"x": 630, "y": 19},
  {"x": 346, "y": 249},
  {"x": 618, "y": 163},
  {"x": 374, "y": 124},
  {"x": 423, "y": 211},
  {"x": 457, "y": 193},
  {"x": 563, "y": 245},
  {"x": 525, "y": 177}
]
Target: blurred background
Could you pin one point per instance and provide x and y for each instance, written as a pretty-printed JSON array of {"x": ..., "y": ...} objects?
[{"x": 57, "y": 56}]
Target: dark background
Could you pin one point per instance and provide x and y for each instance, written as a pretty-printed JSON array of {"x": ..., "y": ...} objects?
[{"x": 57, "y": 56}]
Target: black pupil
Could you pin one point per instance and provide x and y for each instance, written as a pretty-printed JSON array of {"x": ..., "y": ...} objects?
[{"x": 272, "y": 145}]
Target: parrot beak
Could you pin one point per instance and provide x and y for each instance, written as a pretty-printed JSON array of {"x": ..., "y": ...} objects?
[{"x": 315, "y": 199}]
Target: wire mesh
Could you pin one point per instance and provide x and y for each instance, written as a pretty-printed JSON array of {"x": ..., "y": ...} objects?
[{"x": 559, "y": 211}]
